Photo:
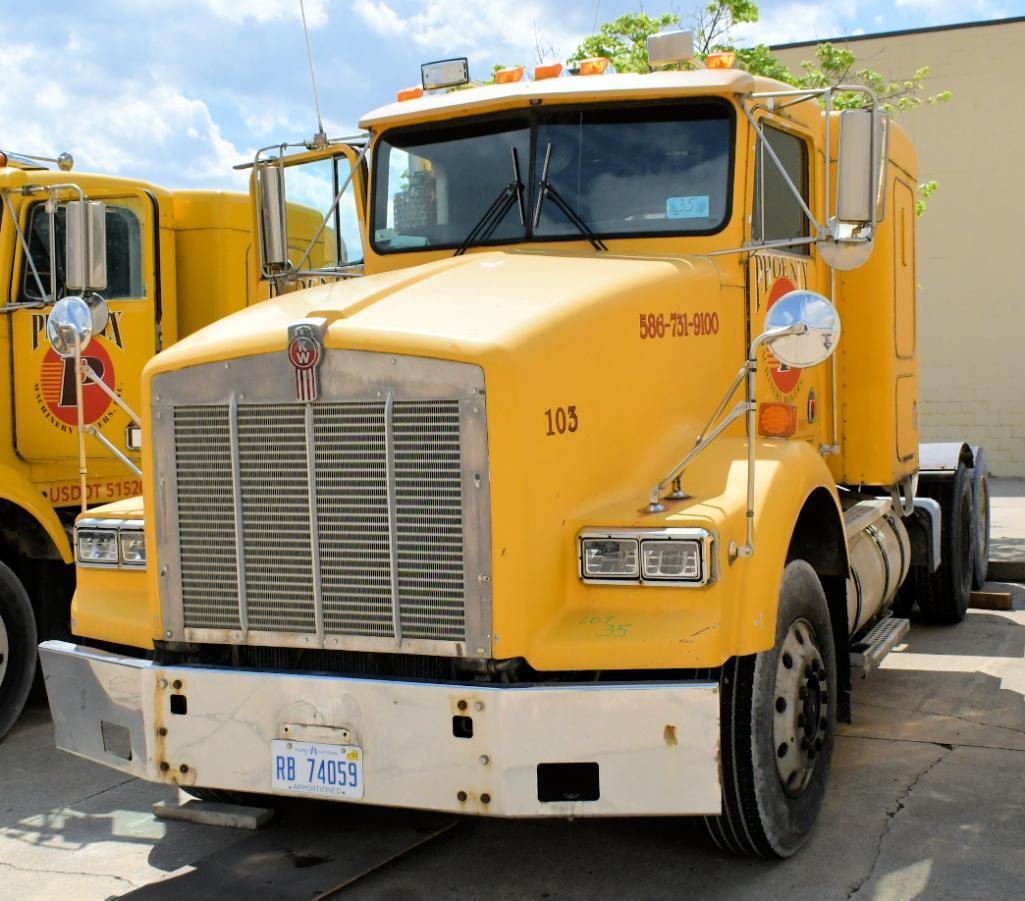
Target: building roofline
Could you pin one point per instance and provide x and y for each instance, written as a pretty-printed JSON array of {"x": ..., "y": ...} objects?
[{"x": 846, "y": 39}]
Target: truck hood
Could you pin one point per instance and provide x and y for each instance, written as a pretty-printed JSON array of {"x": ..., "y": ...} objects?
[{"x": 455, "y": 308}]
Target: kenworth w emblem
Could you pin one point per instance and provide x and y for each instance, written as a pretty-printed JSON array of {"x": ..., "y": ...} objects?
[{"x": 304, "y": 353}]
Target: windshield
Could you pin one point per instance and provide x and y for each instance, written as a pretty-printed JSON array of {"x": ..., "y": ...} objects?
[{"x": 626, "y": 171}]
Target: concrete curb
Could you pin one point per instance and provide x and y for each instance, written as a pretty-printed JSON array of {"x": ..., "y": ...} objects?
[{"x": 1005, "y": 571}]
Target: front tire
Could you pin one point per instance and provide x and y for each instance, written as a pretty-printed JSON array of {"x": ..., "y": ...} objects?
[
  {"x": 17, "y": 648},
  {"x": 778, "y": 722}
]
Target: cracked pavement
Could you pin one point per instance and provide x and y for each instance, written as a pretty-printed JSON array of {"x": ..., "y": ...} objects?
[{"x": 927, "y": 800}]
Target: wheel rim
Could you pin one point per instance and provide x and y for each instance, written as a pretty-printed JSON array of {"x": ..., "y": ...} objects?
[
  {"x": 800, "y": 707},
  {"x": 5, "y": 650}
]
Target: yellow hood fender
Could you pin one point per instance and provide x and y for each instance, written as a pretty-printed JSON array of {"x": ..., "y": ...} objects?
[{"x": 18, "y": 490}]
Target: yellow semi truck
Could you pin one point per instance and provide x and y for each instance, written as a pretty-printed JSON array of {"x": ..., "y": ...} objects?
[
  {"x": 577, "y": 504},
  {"x": 173, "y": 262}
]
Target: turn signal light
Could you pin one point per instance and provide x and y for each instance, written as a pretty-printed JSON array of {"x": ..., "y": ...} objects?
[
  {"x": 507, "y": 76},
  {"x": 777, "y": 420},
  {"x": 721, "y": 59},
  {"x": 413, "y": 93},
  {"x": 596, "y": 65},
  {"x": 552, "y": 70},
  {"x": 3, "y": 159}
]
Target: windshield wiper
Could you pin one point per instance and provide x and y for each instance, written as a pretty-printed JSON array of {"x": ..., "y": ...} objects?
[
  {"x": 511, "y": 194},
  {"x": 546, "y": 189}
]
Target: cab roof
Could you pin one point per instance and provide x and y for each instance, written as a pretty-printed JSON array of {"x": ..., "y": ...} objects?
[{"x": 487, "y": 98}]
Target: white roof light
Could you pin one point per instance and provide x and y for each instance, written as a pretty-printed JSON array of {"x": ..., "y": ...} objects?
[
  {"x": 668, "y": 47},
  {"x": 445, "y": 73}
]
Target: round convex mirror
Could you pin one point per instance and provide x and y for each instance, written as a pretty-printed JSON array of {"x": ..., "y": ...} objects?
[
  {"x": 818, "y": 338},
  {"x": 69, "y": 317}
]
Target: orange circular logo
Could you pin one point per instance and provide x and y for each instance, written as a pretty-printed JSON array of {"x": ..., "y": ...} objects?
[{"x": 57, "y": 384}]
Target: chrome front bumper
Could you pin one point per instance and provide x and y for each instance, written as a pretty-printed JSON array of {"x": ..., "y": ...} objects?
[{"x": 656, "y": 745}]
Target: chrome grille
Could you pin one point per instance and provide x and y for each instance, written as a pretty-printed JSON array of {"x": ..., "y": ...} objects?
[{"x": 360, "y": 555}]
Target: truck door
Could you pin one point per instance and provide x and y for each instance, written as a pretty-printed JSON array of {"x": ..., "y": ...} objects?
[
  {"x": 44, "y": 383},
  {"x": 798, "y": 396}
]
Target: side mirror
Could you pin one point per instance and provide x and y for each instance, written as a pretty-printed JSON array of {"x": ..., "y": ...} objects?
[
  {"x": 85, "y": 248},
  {"x": 70, "y": 322},
  {"x": 802, "y": 329},
  {"x": 270, "y": 186}
]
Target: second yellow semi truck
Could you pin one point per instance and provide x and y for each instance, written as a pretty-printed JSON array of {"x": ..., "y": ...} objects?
[{"x": 589, "y": 499}]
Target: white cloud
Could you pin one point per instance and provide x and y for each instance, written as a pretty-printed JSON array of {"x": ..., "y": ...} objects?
[
  {"x": 790, "y": 22},
  {"x": 937, "y": 11},
  {"x": 143, "y": 128},
  {"x": 262, "y": 11},
  {"x": 508, "y": 31},
  {"x": 379, "y": 16}
]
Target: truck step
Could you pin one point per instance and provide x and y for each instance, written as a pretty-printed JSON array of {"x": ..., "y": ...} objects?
[{"x": 867, "y": 653}]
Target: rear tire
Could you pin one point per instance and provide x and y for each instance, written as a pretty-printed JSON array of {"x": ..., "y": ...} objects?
[
  {"x": 943, "y": 595},
  {"x": 980, "y": 503},
  {"x": 17, "y": 648},
  {"x": 778, "y": 722}
]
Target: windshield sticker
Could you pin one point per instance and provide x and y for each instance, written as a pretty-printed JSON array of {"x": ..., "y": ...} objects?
[{"x": 687, "y": 207}]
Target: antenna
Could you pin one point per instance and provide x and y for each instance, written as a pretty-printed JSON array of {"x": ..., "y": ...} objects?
[{"x": 320, "y": 138}]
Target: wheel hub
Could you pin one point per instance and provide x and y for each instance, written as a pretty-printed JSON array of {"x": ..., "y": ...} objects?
[
  {"x": 800, "y": 707},
  {"x": 5, "y": 650}
]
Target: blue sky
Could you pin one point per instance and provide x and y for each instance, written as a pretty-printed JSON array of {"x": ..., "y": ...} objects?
[{"x": 177, "y": 91}]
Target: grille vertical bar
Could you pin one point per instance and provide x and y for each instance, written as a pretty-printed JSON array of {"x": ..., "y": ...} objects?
[
  {"x": 206, "y": 514},
  {"x": 429, "y": 509}
]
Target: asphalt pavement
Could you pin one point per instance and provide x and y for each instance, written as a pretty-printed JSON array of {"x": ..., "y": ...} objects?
[{"x": 927, "y": 800}]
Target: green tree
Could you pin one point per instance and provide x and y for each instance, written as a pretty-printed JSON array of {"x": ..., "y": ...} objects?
[{"x": 624, "y": 42}]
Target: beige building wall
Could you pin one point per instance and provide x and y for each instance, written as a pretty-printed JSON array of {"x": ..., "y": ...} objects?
[{"x": 971, "y": 239}]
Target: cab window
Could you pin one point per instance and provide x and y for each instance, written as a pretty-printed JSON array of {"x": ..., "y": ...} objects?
[
  {"x": 124, "y": 254},
  {"x": 782, "y": 216},
  {"x": 311, "y": 189}
]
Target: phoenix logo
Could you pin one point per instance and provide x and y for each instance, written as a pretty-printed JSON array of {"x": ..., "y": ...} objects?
[{"x": 304, "y": 353}]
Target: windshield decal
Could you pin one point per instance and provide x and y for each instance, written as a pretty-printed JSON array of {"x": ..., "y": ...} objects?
[{"x": 695, "y": 207}]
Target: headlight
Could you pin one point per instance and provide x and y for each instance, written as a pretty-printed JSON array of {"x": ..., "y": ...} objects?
[
  {"x": 133, "y": 547},
  {"x": 682, "y": 557},
  {"x": 609, "y": 558},
  {"x": 671, "y": 560},
  {"x": 110, "y": 542},
  {"x": 97, "y": 546}
]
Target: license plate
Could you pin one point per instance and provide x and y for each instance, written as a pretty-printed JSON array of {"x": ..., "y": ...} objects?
[{"x": 315, "y": 768}]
